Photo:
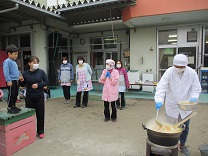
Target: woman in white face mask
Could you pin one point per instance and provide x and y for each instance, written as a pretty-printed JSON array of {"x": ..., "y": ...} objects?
[
  {"x": 65, "y": 77},
  {"x": 109, "y": 78},
  {"x": 34, "y": 80},
  {"x": 84, "y": 84},
  {"x": 123, "y": 83}
]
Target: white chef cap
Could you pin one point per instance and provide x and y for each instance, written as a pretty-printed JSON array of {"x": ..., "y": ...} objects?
[
  {"x": 180, "y": 60},
  {"x": 110, "y": 61}
]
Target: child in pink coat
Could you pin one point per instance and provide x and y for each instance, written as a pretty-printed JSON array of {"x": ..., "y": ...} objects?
[{"x": 109, "y": 78}]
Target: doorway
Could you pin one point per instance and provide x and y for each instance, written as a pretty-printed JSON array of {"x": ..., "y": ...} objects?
[{"x": 166, "y": 56}]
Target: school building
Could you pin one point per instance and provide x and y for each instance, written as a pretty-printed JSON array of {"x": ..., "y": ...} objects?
[{"x": 144, "y": 34}]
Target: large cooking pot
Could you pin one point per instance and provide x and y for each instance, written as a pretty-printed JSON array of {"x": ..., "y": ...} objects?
[{"x": 163, "y": 139}]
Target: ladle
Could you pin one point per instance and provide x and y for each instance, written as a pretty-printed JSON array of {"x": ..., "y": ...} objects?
[
  {"x": 157, "y": 122},
  {"x": 184, "y": 120}
]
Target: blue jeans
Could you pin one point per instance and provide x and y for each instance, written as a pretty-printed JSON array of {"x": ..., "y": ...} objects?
[{"x": 184, "y": 134}]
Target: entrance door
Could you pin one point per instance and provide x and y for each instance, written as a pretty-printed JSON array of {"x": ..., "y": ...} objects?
[
  {"x": 191, "y": 53},
  {"x": 111, "y": 55},
  {"x": 166, "y": 56}
]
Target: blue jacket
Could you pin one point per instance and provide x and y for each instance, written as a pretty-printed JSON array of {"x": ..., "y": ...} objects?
[
  {"x": 66, "y": 72},
  {"x": 10, "y": 69}
]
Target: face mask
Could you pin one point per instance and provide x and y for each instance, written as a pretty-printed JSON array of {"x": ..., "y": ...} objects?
[
  {"x": 180, "y": 70},
  {"x": 35, "y": 66},
  {"x": 65, "y": 62},
  {"x": 108, "y": 67},
  {"x": 80, "y": 62},
  {"x": 118, "y": 65}
]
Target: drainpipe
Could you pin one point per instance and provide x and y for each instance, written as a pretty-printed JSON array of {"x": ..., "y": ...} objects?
[{"x": 11, "y": 9}]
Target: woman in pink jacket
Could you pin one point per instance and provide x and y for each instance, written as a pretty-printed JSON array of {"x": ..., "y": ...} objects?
[{"x": 109, "y": 78}]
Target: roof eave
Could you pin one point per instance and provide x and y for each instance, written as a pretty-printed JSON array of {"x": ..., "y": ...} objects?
[{"x": 39, "y": 9}]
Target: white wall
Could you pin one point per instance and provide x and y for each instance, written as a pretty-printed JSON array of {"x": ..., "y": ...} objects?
[{"x": 141, "y": 41}]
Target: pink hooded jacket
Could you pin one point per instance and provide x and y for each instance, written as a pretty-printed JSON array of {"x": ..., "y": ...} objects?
[{"x": 110, "y": 88}]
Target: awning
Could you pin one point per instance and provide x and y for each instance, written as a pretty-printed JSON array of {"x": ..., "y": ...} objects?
[
  {"x": 28, "y": 10},
  {"x": 93, "y": 11}
]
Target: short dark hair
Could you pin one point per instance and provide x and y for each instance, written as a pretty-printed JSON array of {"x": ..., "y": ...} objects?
[
  {"x": 33, "y": 58},
  {"x": 120, "y": 62},
  {"x": 64, "y": 57},
  {"x": 11, "y": 48},
  {"x": 80, "y": 58}
]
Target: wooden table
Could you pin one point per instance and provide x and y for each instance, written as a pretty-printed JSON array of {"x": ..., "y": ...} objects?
[
  {"x": 142, "y": 84},
  {"x": 98, "y": 84}
]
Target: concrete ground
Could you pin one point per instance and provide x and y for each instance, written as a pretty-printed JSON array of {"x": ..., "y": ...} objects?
[{"x": 82, "y": 132}]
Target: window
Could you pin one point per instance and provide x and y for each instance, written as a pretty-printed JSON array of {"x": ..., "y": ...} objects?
[
  {"x": 25, "y": 40},
  {"x": 167, "y": 37},
  {"x": 206, "y": 47},
  {"x": 166, "y": 57},
  {"x": 13, "y": 40},
  {"x": 63, "y": 44},
  {"x": 96, "y": 43},
  {"x": 110, "y": 43}
]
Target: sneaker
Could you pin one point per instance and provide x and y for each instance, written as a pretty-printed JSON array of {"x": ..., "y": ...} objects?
[
  {"x": 75, "y": 106},
  {"x": 106, "y": 120},
  {"x": 41, "y": 136},
  {"x": 184, "y": 150},
  {"x": 12, "y": 110},
  {"x": 67, "y": 101},
  {"x": 113, "y": 120},
  {"x": 18, "y": 101},
  {"x": 122, "y": 108},
  {"x": 83, "y": 106},
  {"x": 18, "y": 109}
]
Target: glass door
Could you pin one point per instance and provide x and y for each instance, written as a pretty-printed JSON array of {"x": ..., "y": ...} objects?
[
  {"x": 166, "y": 56},
  {"x": 111, "y": 55},
  {"x": 191, "y": 53},
  {"x": 97, "y": 64}
]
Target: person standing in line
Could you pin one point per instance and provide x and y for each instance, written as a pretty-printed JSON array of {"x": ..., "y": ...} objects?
[
  {"x": 110, "y": 78},
  {"x": 12, "y": 76},
  {"x": 35, "y": 79},
  {"x": 84, "y": 84},
  {"x": 123, "y": 84},
  {"x": 65, "y": 77},
  {"x": 178, "y": 83}
]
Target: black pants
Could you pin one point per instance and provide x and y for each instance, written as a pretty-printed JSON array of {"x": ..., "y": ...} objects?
[
  {"x": 37, "y": 102},
  {"x": 84, "y": 100},
  {"x": 107, "y": 110},
  {"x": 12, "y": 94},
  {"x": 123, "y": 103},
  {"x": 66, "y": 91}
]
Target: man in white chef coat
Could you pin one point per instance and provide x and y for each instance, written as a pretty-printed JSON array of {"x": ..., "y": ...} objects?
[{"x": 178, "y": 83}]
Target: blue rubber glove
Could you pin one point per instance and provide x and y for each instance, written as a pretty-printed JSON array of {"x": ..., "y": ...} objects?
[
  {"x": 158, "y": 105},
  {"x": 193, "y": 100},
  {"x": 107, "y": 74}
]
